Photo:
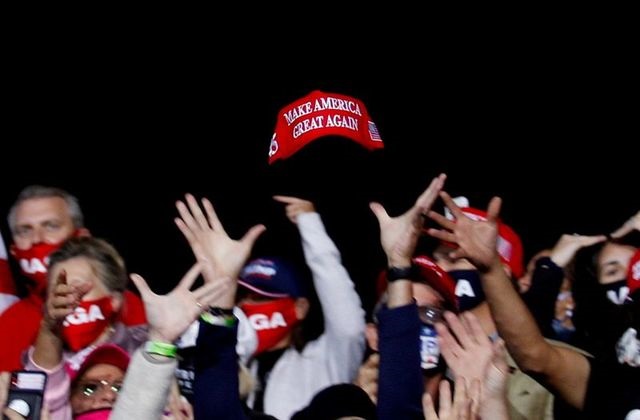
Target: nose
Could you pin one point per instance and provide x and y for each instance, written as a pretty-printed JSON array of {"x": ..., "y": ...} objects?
[
  {"x": 37, "y": 235},
  {"x": 107, "y": 396}
]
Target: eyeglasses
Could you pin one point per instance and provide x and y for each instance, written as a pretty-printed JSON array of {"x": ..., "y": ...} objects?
[
  {"x": 91, "y": 388},
  {"x": 430, "y": 314}
]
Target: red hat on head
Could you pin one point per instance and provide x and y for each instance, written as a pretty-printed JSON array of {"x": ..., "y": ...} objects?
[
  {"x": 109, "y": 354},
  {"x": 633, "y": 276},
  {"x": 322, "y": 114},
  {"x": 509, "y": 244},
  {"x": 431, "y": 274},
  {"x": 435, "y": 276}
]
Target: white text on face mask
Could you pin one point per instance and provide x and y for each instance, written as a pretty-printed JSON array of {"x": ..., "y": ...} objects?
[{"x": 262, "y": 322}]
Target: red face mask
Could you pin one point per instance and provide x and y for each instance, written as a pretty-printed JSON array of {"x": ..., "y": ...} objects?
[
  {"x": 34, "y": 263},
  {"x": 272, "y": 321},
  {"x": 99, "y": 414},
  {"x": 87, "y": 322}
]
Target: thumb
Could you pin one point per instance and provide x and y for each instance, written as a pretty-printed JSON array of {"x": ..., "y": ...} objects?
[
  {"x": 378, "y": 211},
  {"x": 142, "y": 285},
  {"x": 252, "y": 234}
]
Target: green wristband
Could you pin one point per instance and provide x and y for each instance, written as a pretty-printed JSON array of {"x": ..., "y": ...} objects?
[
  {"x": 221, "y": 320},
  {"x": 163, "y": 349}
]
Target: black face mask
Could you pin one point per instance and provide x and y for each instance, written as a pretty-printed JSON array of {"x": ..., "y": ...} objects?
[
  {"x": 616, "y": 292},
  {"x": 468, "y": 289}
]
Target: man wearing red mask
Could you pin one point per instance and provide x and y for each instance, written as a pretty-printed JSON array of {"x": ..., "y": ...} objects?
[
  {"x": 41, "y": 219},
  {"x": 290, "y": 369}
]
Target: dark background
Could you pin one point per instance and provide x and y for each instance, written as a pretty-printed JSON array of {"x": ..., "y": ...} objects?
[{"x": 553, "y": 134}]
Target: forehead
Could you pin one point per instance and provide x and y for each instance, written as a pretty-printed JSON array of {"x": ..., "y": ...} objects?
[
  {"x": 615, "y": 253},
  {"x": 103, "y": 371},
  {"x": 34, "y": 210},
  {"x": 425, "y": 295},
  {"x": 76, "y": 266}
]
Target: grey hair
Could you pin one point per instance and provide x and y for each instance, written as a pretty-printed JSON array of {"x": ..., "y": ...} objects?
[{"x": 39, "y": 191}]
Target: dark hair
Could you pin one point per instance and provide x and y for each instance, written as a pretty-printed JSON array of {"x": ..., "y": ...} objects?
[{"x": 107, "y": 262}]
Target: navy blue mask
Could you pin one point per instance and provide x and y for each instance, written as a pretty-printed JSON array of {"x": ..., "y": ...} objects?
[{"x": 468, "y": 289}]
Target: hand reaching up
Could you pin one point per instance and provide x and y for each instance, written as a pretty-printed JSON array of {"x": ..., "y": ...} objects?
[
  {"x": 219, "y": 255},
  {"x": 399, "y": 235},
  {"x": 295, "y": 206},
  {"x": 170, "y": 315},
  {"x": 567, "y": 246},
  {"x": 476, "y": 239},
  {"x": 630, "y": 225},
  {"x": 471, "y": 355}
]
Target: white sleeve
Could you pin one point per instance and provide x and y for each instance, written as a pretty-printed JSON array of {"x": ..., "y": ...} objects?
[{"x": 341, "y": 305}]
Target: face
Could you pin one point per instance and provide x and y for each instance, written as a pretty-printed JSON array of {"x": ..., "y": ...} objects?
[
  {"x": 97, "y": 388},
  {"x": 41, "y": 220},
  {"x": 524, "y": 282},
  {"x": 613, "y": 261},
  {"x": 425, "y": 295},
  {"x": 82, "y": 275}
]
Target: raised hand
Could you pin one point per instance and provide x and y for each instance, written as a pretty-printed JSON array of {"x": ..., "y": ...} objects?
[
  {"x": 399, "y": 235},
  {"x": 476, "y": 239},
  {"x": 170, "y": 315},
  {"x": 469, "y": 353},
  {"x": 367, "y": 377},
  {"x": 458, "y": 409},
  {"x": 567, "y": 246},
  {"x": 220, "y": 255},
  {"x": 295, "y": 206},
  {"x": 632, "y": 224},
  {"x": 62, "y": 300}
]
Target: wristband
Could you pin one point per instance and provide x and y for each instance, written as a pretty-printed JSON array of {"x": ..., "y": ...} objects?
[
  {"x": 223, "y": 318},
  {"x": 400, "y": 273},
  {"x": 163, "y": 349}
]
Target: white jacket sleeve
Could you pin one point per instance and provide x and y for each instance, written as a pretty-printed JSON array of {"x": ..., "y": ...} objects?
[
  {"x": 343, "y": 314},
  {"x": 145, "y": 389}
]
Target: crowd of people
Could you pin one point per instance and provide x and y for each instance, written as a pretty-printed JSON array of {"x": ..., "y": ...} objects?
[{"x": 462, "y": 330}]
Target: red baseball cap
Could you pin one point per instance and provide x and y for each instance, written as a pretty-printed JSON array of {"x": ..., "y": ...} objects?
[
  {"x": 509, "y": 243},
  {"x": 109, "y": 354},
  {"x": 322, "y": 114}
]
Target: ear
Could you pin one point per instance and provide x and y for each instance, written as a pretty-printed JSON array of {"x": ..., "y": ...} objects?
[
  {"x": 12, "y": 250},
  {"x": 371, "y": 333},
  {"x": 302, "y": 307}
]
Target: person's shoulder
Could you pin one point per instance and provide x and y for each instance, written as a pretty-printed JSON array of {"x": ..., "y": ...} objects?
[{"x": 568, "y": 346}]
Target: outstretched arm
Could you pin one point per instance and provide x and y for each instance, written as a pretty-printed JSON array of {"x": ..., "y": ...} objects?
[
  {"x": 564, "y": 370},
  {"x": 220, "y": 255},
  {"x": 629, "y": 226},
  {"x": 168, "y": 317},
  {"x": 400, "y": 378}
]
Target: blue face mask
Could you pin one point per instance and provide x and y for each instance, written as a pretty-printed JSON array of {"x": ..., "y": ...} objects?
[{"x": 468, "y": 289}]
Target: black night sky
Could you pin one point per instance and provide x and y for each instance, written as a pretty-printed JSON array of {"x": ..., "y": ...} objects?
[{"x": 553, "y": 138}]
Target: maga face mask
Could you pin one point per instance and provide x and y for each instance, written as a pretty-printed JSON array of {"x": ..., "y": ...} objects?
[
  {"x": 87, "y": 322},
  {"x": 617, "y": 291},
  {"x": 34, "y": 263},
  {"x": 468, "y": 289},
  {"x": 272, "y": 321}
]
